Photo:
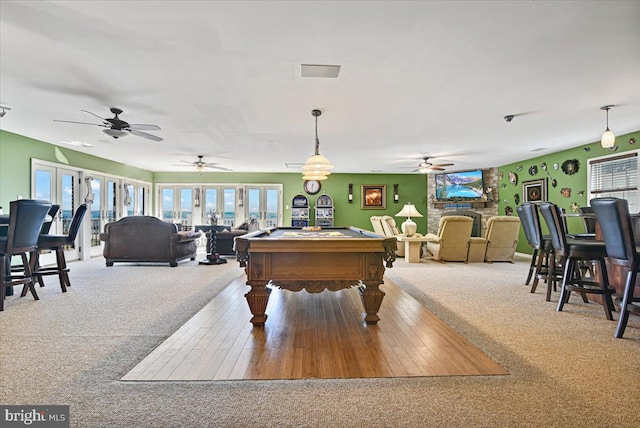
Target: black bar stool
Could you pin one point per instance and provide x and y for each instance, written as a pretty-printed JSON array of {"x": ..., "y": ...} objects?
[
  {"x": 543, "y": 258},
  {"x": 25, "y": 221},
  {"x": 615, "y": 225},
  {"x": 571, "y": 251},
  {"x": 57, "y": 243}
]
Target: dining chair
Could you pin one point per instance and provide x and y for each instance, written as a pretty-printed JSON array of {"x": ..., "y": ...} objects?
[
  {"x": 58, "y": 243},
  {"x": 570, "y": 252},
  {"x": 615, "y": 225},
  {"x": 25, "y": 221}
]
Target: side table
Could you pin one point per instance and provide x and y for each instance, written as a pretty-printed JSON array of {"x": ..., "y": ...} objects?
[{"x": 412, "y": 246}]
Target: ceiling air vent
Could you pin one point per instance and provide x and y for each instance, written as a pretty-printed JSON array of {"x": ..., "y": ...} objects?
[{"x": 316, "y": 70}]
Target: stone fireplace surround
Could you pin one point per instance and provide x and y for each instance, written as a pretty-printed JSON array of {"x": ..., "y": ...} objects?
[{"x": 487, "y": 209}]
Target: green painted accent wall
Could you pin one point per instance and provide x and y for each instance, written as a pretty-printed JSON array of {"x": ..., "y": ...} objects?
[
  {"x": 411, "y": 188},
  {"x": 576, "y": 182},
  {"x": 16, "y": 152}
]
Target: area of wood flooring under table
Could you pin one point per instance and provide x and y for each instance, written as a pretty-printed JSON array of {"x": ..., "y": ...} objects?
[{"x": 312, "y": 336}]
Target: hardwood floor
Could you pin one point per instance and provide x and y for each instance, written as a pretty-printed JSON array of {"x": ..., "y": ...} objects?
[{"x": 312, "y": 336}]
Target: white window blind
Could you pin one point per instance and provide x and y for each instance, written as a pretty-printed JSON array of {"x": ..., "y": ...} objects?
[{"x": 617, "y": 177}]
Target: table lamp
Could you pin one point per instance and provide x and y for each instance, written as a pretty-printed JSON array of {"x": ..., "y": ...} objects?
[{"x": 409, "y": 227}]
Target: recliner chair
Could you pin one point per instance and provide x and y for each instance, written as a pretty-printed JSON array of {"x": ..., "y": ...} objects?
[
  {"x": 502, "y": 238},
  {"x": 452, "y": 241}
]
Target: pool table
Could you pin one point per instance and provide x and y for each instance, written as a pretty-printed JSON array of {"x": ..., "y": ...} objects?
[{"x": 314, "y": 260}]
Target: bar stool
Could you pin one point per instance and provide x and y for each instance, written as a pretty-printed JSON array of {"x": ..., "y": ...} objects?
[
  {"x": 57, "y": 243},
  {"x": 25, "y": 220},
  {"x": 615, "y": 225},
  {"x": 543, "y": 258},
  {"x": 571, "y": 251}
]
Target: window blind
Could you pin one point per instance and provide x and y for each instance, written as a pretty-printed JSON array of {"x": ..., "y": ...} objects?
[{"x": 615, "y": 176}]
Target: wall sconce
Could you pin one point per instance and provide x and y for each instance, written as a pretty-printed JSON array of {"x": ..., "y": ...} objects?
[
  {"x": 396, "y": 196},
  {"x": 90, "y": 195},
  {"x": 350, "y": 192}
]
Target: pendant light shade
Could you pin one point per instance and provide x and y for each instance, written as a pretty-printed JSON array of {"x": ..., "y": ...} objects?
[
  {"x": 608, "y": 139},
  {"x": 317, "y": 167}
]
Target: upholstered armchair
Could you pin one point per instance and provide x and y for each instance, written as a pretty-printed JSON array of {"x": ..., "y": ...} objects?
[
  {"x": 452, "y": 241},
  {"x": 386, "y": 226},
  {"x": 502, "y": 238}
]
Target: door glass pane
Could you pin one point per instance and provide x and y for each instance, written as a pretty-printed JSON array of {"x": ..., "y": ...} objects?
[
  {"x": 272, "y": 208},
  {"x": 185, "y": 206},
  {"x": 112, "y": 205},
  {"x": 67, "y": 206},
  {"x": 211, "y": 205},
  {"x": 229, "y": 201},
  {"x": 96, "y": 208},
  {"x": 142, "y": 203},
  {"x": 167, "y": 204},
  {"x": 129, "y": 196},
  {"x": 43, "y": 185},
  {"x": 253, "y": 203}
]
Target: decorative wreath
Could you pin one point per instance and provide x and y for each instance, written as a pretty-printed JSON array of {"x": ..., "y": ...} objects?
[
  {"x": 570, "y": 166},
  {"x": 533, "y": 170}
]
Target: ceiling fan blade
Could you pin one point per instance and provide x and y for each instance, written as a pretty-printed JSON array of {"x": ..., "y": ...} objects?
[
  {"x": 436, "y": 168},
  {"x": 95, "y": 115},
  {"x": 142, "y": 127},
  {"x": 190, "y": 163},
  {"x": 144, "y": 135},
  {"x": 443, "y": 164},
  {"x": 80, "y": 123},
  {"x": 221, "y": 168}
]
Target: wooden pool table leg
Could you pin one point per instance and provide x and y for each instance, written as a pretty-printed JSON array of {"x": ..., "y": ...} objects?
[
  {"x": 258, "y": 297},
  {"x": 371, "y": 300}
]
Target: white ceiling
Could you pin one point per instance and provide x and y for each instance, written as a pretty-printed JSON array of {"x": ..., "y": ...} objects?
[{"x": 222, "y": 79}]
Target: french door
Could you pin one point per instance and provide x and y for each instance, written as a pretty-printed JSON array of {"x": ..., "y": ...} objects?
[
  {"x": 229, "y": 204},
  {"x": 263, "y": 203},
  {"x": 59, "y": 186},
  {"x": 177, "y": 204}
]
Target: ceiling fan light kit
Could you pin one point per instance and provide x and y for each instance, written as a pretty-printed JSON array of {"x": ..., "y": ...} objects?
[
  {"x": 317, "y": 167},
  {"x": 608, "y": 139},
  {"x": 425, "y": 167}
]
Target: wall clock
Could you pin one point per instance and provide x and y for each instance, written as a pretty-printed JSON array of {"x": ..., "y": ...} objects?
[{"x": 311, "y": 186}]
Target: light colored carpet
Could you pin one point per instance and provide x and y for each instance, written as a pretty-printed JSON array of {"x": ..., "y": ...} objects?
[{"x": 566, "y": 368}]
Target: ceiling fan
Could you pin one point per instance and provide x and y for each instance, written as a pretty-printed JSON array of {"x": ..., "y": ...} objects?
[
  {"x": 426, "y": 166},
  {"x": 118, "y": 128},
  {"x": 200, "y": 165}
]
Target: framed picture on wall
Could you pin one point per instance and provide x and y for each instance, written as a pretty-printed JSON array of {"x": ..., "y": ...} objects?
[
  {"x": 374, "y": 197},
  {"x": 534, "y": 190}
]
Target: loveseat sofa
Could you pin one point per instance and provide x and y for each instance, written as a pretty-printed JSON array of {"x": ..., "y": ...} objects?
[{"x": 147, "y": 239}]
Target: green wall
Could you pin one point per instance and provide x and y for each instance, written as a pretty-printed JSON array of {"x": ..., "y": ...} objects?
[
  {"x": 576, "y": 182},
  {"x": 411, "y": 188},
  {"x": 15, "y": 179},
  {"x": 16, "y": 152}
]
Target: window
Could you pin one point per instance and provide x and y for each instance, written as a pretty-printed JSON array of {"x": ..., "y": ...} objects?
[{"x": 615, "y": 176}]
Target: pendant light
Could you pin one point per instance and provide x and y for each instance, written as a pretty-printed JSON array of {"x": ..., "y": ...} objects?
[
  {"x": 317, "y": 167},
  {"x": 608, "y": 139}
]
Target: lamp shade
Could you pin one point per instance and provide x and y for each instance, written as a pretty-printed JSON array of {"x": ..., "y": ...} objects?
[
  {"x": 608, "y": 139},
  {"x": 409, "y": 210},
  {"x": 317, "y": 162}
]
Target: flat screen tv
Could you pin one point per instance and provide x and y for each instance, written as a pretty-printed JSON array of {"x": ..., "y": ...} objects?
[{"x": 459, "y": 186}]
